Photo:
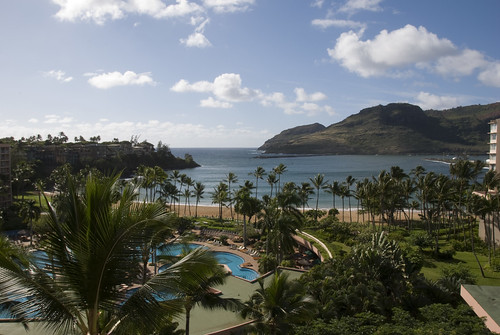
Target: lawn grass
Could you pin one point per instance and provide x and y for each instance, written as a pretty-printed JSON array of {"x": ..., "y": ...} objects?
[{"x": 433, "y": 268}]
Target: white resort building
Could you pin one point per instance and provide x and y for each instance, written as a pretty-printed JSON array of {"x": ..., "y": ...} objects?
[{"x": 493, "y": 153}]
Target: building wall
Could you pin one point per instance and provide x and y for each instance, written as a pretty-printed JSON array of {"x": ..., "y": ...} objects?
[
  {"x": 494, "y": 149},
  {"x": 5, "y": 176}
]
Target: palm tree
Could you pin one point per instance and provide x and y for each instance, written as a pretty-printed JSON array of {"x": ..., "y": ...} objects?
[
  {"x": 334, "y": 189},
  {"x": 271, "y": 180},
  {"x": 198, "y": 290},
  {"x": 318, "y": 182},
  {"x": 220, "y": 197},
  {"x": 349, "y": 181},
  {"x": 304, "y": 191},
  {"x": 29, "y": 211},
  {"x": 278, "y": 306},
  {"x": 259, "y": 173},
  {"x": 279, "y": 170},
  {"x": 95, "y": 240},
  {"x": 199, "y": 190},
  {"x": 168, "y": 192},
  {"x": 231, "y": 178},
  {"x": 247, "y": 206},
  {"x": 176, "y": 177}
]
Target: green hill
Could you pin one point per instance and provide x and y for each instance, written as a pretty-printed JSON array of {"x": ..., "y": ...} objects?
[{"x": 397, "y": 128}]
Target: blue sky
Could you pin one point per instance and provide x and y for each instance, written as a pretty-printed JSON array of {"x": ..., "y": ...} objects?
[{"x": 234, "y": 73}]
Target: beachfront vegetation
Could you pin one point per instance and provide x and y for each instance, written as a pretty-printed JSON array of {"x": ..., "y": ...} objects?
[
  {"x": 78, "y": 282},
  {"x": 398, "y": 261}
]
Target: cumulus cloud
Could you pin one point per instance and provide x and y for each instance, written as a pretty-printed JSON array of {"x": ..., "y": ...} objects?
[
  {"x": 431, "y": 101},
  {"x": 302, "y": 96},
  {"x": 112, "y": 79},
  {"x": 58, "y": 75},
  {"x": 491, "y": 74},
  {"x": 228, "y": 6},
  {"x": 197, "y": 40},
  {"x": 226, "y": 87},
  {"x": 461, "y": 64},
  {"x": 389, "y": 50},
  {"x": 100, "y": 11}
]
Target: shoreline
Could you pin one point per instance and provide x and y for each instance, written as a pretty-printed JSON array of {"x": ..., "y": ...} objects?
[{"x": 213, "y": 212}]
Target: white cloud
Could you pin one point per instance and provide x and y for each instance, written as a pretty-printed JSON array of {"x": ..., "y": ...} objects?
[
  {"x": 326, "y": 23},
  {"x": 33, "y": 120},
  {"x": 197, "y": 40},
  {"x": 100, "y": 11},
  {"x": 462, "y": 64},
  {"x": 226, "y": 87},
  {"x": 57, "y": 119},
  {"x": 228, "y": 6},
  {"x": 318, "y": 3},
  {"x": 430, "y": 101},
  {"x": 212, "y": 103},
  {"x": 58, "y": 75},
  {"x": 112, "y": 79},
  {"x": 184, "y": 86},
  {"x": 389, "y": 50},
  {"x": 303, "y": 96},
  {"x": 491, "y": 75},
  {"x": 358, "y": 5}
]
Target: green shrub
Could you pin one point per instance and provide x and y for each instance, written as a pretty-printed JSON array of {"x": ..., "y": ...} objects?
[{"x": 447, "y": 253}]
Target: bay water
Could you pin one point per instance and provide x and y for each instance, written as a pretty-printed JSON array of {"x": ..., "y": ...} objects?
[{"x": 216, "y": 163}]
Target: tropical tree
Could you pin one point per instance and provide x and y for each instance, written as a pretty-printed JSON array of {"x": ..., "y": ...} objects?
[
  {"x": 29, "y": 211},
  {"x": 231, "y": 178},
  {"x": 259, "y": 173},
  {"x": 271, "y": 180},
  {"x": 304, "y": 191},
  {"x": 22, "y": 174},
  {"x": 332, "y": 188},
  {"x": 247, "y": 206},
  {"x": 168, "y": 193},
  {"x": 199, "y": 190},
  {"x": 318, "y": 182},
  {"x": 278, "y": 305},
  {"x": 94, "y": 243},
  {"x": 199, "y": 289},
  {"x": 279, "y": 170},
  {"x": 349, "y": 181},
  {"x": 220, "y": 197}
]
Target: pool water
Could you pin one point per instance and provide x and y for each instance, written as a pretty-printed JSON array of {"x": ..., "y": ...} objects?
[{"x": 231, "y": 260}]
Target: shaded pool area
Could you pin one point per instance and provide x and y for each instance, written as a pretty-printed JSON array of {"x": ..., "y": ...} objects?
[
  {"x": 231, "y": 260},
  {"x": 234, "y": 263}
]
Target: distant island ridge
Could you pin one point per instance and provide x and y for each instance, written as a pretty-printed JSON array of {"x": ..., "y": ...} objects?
[{"x": 396, "y": 128}]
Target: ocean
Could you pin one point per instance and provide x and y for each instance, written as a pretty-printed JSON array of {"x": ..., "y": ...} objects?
[{"x": 216, "y": 163}]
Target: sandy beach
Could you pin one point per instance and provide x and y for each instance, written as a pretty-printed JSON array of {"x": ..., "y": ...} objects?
[{"x": 213, "y": 212}]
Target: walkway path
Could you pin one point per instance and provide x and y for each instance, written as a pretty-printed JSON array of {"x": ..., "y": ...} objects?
[{"x": 319, "y": 242}]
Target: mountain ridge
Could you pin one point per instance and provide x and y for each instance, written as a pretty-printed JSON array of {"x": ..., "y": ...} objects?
[{"x": 396, "y": 128}]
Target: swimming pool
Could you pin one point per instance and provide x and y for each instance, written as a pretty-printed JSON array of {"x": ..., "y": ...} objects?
[
  {"x": 231, "y": 260},
  {"x": 234, "y": 263}
]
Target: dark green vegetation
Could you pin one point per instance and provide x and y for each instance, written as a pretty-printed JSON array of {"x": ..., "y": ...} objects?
[
  {"x": 125, "y": 156},
  {"x": 393, "y": 129},
  {"x": 397, "y": 268},
  {"x": 97, "y": 239}
]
